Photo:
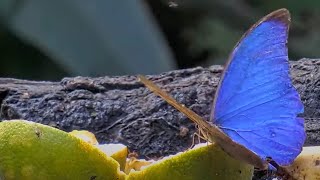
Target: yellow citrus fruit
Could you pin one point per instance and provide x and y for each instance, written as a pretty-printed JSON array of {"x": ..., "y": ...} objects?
[
  {"x": 205, "y": 162},
  {"x": 87, "y": 136},
  {"x": 33, "y": 151},
  {"x": 307, "y": 164},
  {"x": 134, "y": 164},
  {"x": 118, "y": 152}
]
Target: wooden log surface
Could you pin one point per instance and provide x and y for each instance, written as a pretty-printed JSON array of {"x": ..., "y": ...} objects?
[{"x": 121, "y": 110}]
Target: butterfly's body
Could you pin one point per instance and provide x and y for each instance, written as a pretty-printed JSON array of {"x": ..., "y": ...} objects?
[
  {"x": 213, "y": 134},
  {"x": 255, "y": 109}
]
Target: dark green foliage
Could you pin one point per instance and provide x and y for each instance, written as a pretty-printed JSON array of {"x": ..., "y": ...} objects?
[
  {"x": 197, "y": 32},
  {"x": 210, "y": 29}
]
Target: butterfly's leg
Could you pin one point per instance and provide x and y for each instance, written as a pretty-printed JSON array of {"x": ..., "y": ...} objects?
[
  {"x": 200, "y": 136},
  {"x": 280, "y": 170},
  {"x": 199, "y": 133},
  {"x": 194, "y": 137},
  {"x": 193, "y": 140}
]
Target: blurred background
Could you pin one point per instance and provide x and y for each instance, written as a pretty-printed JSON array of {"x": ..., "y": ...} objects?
[{"x": 49, "y": 40}]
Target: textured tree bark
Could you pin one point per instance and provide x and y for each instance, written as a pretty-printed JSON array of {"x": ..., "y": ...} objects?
[{"x": 120, "y": 109}]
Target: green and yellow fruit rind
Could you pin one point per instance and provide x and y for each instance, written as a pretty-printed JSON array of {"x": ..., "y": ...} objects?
[
  {"x": 206, "y": 163},
  {"x": 34, "y": 151}
]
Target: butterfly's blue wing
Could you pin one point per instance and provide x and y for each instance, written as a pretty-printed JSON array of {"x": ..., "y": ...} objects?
[{"x": 256, "y": 104}]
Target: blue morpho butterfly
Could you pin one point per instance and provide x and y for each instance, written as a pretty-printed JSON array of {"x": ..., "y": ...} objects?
[{"x": 255, "y": 108}]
